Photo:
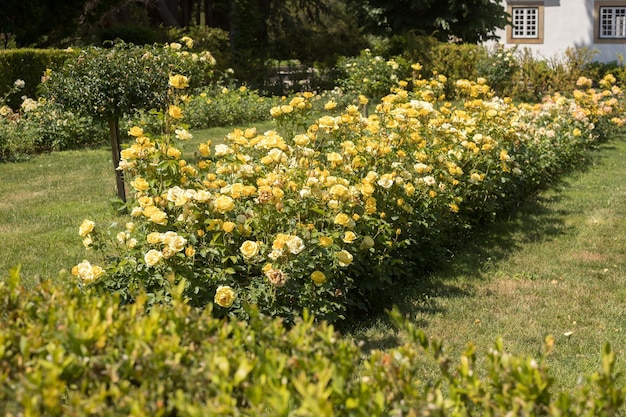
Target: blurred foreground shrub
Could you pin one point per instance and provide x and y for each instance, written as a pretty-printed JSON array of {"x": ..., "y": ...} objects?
[{"x": 65, "y": 352}]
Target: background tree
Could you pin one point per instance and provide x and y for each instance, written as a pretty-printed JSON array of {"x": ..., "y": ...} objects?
[
  {"x": 469, "y": 21},
  {"x": 44, "y": 22}
]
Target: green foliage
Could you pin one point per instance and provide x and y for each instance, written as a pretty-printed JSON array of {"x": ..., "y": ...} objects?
[
  {"x": 109, "y": 83},
  {"x": 597, "y": 70},
  {"x": 456, "y": 62},
  {"x": 206, "y": 38},
  {"x": 211, "y": 106},
  {"x": 467, "y": 21},
  {"x": 539, "y": 77},
  {"x": 370, "y": 75},
  {"x": 499, "y": 67},
  {"x": 223, "y": 106},
  {"x": 41, "y": 126},
  {"x": 66, "y": 352}
]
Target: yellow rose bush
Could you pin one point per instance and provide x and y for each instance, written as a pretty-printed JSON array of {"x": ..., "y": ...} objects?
[{"x": 325, "y": 216}]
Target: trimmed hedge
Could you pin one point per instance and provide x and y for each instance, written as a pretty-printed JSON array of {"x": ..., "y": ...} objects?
[
  {"x": 28, "y": 65},
  {"x": 65, "y": 352}
]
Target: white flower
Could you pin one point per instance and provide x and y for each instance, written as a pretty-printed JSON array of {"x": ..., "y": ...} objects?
[
  {"x": 295, "y": 245},
  {"x": 429, "y": 180},
  {"x": 385, "y": 182},
  {"x": 305, "y": 192},
  {"x": 275, "y": 254},
  {"x": 222, "y": 150},
  {"x": 183, "y": 134}
]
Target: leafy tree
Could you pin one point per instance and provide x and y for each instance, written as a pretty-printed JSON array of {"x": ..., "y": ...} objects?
[
  {"x": 319, "y": 35},
  {"x": 110, "y": 83},
  {"x": 468, "y": 21}
]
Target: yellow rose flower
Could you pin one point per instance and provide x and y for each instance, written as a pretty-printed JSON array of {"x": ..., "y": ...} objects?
[
  {"x": 135, "y": 131},
  {"x": 224, "y": 296},
  {"x": 173, "y": 152},
  {"x": 275, "y": 111},
  {"x": 175, "y": 242},
  {"x": 179, "y": 81},
  {"x": 224, "y": 203},
  {"x": 190, "y": 251},
  {"x": 342, "y": 219},
  {"x": 318, "y": 277},
  {"x": 334, "y": 157},
  {"x": 175, "y": 112},
  {"x": 279, "y": 241},
  {"x": 145, "y": 201},
  {"x": 368, "y": 188},
  {"x": 96, "y": 271},
  {"x": 349, "y": 237},
  {"x": 339, "y": 190},
  {"x": 159, "y": 217},
  {"x": 344, "y": 257},
  {"x": 249, "y": 249},
  {"x": 370, "y": 205},
  {"x": 325, "y": 241},
  {"x": 86, "y": 227},
  {"x": 204, "y": 149},
  {"x": 301, "y": 140},
  {"x": 154, "y": 238},
  {"x": 152, "y": 257},
  {"x": 330, "y": 105},
  {"x": 228, "y": 226},
  {"x": 86, "y": 272},
  {"x": 140, "y": 184}
]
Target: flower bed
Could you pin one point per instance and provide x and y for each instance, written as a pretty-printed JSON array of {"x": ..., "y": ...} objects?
[{"x": 327, "y": 216}]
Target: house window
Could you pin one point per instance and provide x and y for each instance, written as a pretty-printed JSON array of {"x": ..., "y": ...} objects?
[
  {"x": 612, "y": 23},
  {"x": 526, "y": 22},
  {"x": 609, "y": 21}
]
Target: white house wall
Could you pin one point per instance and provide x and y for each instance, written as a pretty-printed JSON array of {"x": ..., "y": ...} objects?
[{"x": 567, "y": 23}]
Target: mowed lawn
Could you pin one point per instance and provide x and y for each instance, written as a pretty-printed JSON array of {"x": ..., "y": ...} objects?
[{"x": 557, "y": 266}]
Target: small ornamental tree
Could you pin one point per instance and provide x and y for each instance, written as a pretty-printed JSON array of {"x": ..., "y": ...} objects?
[{"x": 113, "y": 82}]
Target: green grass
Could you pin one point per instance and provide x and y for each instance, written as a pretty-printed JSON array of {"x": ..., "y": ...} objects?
[
  {"x": 557, "y": 266},
  {"x": 43, "y": 201}
]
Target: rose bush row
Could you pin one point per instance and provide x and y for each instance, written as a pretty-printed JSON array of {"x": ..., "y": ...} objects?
[{"x": 328, "y": 216}]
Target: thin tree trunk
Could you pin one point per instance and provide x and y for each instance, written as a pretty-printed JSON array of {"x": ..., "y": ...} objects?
[{"x": 114, "y": 129}]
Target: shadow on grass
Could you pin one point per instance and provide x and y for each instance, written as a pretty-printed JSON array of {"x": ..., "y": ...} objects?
[{"x": 457, "y": 276}]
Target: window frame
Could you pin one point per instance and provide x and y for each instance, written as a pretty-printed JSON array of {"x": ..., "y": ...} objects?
[
  {"x": 510, "y": 34},
  {"x": 597, "y": 21}
]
